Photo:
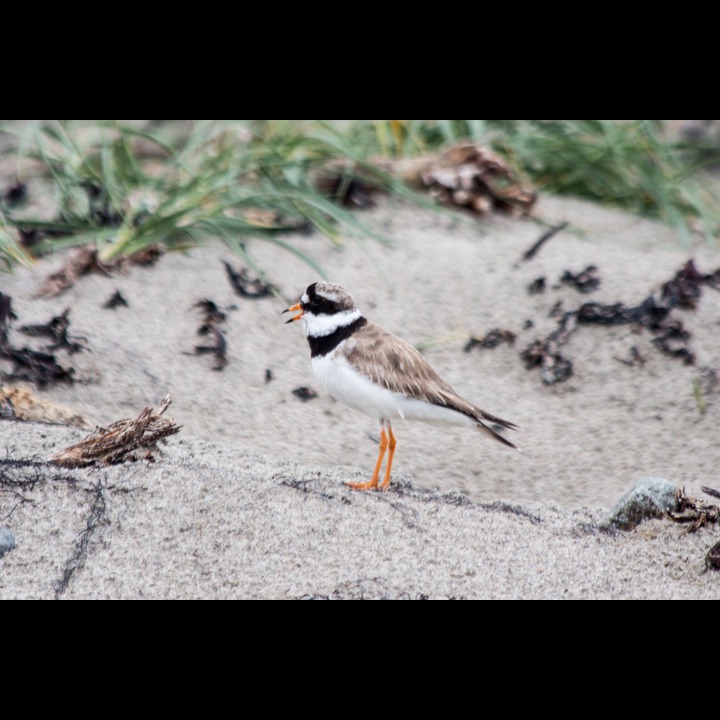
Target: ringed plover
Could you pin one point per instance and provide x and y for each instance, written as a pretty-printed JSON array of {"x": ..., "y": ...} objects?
[{"x": 368, "y": 368}]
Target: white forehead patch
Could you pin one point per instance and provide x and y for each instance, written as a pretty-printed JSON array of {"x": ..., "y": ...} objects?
[{"x": 332, "y": 297}]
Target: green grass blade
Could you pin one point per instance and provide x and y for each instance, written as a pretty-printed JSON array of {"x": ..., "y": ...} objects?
[{"x": 11, "y": 253}]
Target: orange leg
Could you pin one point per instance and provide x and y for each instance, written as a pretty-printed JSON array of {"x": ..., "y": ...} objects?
[
  {"x": 373, "y": 484},
  {"x": 391, "y": 455}
]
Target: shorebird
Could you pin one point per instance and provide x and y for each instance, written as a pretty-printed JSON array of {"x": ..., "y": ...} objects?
[{"x": 368, "y": 368}]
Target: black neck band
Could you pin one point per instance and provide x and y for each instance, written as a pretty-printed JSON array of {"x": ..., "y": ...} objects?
[{"x": 320, "y": 346}]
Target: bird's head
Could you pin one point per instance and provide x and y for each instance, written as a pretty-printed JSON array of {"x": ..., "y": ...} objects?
[{"x": 324, "y": 307}]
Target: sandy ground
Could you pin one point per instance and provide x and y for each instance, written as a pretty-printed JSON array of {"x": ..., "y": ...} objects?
[{"x": 248, "y": 500}]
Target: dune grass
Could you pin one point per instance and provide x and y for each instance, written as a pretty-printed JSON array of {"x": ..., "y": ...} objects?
[
  {"x": 227, "y": 179},
  {"x": 10, "y": 251},
  {"x": 632, "y": 164},
  {"x": 125, "y": 187}
]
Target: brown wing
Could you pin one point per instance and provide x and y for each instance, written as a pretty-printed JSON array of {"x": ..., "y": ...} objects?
[{"x": 395, "y": 365}]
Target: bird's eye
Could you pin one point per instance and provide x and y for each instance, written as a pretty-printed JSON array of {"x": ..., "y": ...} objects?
[{"x": 317, "y": 301}]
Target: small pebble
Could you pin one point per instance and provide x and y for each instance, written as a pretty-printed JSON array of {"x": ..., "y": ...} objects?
[{"x": 7, "y": 541}]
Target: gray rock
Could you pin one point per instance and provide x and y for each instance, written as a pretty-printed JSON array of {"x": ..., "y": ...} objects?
[
  {"x": 7, "y": 541},
  {"x": 650, "y": 498},
  {"x": 712, "y": 561}
]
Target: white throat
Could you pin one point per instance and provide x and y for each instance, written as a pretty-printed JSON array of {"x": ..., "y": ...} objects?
[{"x": 322, "y": 325}]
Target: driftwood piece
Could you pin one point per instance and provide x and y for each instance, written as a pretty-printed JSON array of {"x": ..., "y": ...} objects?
[
  {"x": 124, "y": 440},
  {"x": 19, "y": 403}
]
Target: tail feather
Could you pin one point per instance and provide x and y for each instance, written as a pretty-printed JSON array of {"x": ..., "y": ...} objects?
[
  {"x": 495, "y": 435},
  {"x": 448, "y": 398},
  {"x": 487, "y": 417}
]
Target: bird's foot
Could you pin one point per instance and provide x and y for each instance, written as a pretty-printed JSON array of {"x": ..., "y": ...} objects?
[{"x": 372, "y": 485}]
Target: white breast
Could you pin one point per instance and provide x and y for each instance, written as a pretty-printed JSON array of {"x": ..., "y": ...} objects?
[{"x": 339, "y": 379}]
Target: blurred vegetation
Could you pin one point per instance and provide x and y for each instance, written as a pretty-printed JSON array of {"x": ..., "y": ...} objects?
[{"x": 125, "y": 185}]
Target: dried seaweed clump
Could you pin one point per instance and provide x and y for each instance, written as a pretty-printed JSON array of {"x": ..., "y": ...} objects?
[
  {"x": 57, "y": 330},
  {"x": 245, "y": 285},
  {"x": 123, "y": 441},
  {"x": 81, "y": 262},
  {"x": 85, "y": 260},
  {"x": 670, "y": 337},
  {"x": 464, "y": 175},
  {"x": 585, "y": 281},
  {"x": 212, "y": 318},
  {"x": 470, "y": 176},
  {"x": 693, "y": 512},
  {"x": 34, "y": 365},
  {"x": 491, "y": 340}
]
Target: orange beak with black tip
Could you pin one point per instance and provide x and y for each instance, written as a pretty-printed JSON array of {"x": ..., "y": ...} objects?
[{"x": 294, "y": 308}]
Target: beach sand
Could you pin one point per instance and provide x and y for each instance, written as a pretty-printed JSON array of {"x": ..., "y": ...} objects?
[{"x": 248, "y": 501}]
